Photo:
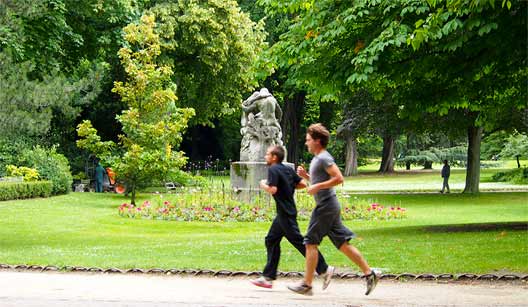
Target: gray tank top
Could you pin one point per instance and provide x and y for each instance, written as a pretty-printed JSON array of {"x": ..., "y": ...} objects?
[{"x": 318, "y": 174}]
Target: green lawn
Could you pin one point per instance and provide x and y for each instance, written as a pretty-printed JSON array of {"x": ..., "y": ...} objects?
[
  {"x": 415, "y": 180},
  {"x": 423, "y": 181},
  {"x": 84, "y": 229}
]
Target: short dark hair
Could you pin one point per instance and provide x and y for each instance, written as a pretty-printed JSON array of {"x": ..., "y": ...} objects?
[
  {"x": 278, "y": 151},
  {"x": 319, "y": 132}
]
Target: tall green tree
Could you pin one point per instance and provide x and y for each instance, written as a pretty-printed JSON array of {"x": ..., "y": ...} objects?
[
  {"x": 516, "y": 147},
  {"x": 153, "y": 124},
  {"x": 27, "y": 106},
  {"x": 436, "y": 56},
  {"x": 212, "y": 47},
  {"x": 72, "y": 45}
]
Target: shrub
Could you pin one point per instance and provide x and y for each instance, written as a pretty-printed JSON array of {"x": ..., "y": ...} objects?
[
  {"x": 10, "y": 151},
  {"x": 51, "y": 166},
  {"x": 29, "y": 174},
  {"x": 516, "y": 176},
  {"x": 21, "y": 190}
]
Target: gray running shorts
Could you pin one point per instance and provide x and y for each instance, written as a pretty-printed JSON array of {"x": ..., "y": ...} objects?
[{"x": 326, "y": 221}]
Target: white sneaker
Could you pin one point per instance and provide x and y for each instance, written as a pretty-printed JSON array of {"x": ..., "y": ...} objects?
[
  {"x": 262, "y": 282},
  {"x": 327, "y": 276}
]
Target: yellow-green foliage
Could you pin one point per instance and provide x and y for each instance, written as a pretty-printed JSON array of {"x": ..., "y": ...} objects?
[
  {"x": 29, "y": 174},
  {"x": 153, "y": 124}
]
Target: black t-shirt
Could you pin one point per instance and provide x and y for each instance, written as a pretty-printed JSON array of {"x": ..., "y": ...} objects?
[{"x": 285, "y": 179}]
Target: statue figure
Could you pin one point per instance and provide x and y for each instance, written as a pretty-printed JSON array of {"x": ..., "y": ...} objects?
[{"x": 260, "y": 125}]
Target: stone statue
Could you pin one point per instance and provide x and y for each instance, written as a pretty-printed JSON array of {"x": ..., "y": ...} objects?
[{"x": 260, "y": 125}]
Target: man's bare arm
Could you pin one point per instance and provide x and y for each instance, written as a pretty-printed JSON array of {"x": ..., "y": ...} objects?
[
  {"x": 270, "y": 189},
  {"x": 302, "y": 172},
  {"x": 301, "y": 185}
]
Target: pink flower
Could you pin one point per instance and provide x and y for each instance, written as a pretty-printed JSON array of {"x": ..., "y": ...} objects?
[
  {"x": 236, "y": 209},
  {"x": 166, "y": 203},
  {"x": 208, "y": 209},
  {"x": 146, "y": 203}
]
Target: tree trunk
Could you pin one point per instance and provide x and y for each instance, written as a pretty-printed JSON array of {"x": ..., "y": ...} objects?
[
  {"x": 407, "y": 148},
  {"x": 195, "y": 143},
  {"x": 428, "y": 165},
  {"x": 133, "y": 196},
  {"x": 518, "y": 163},
  {"x": 387, "y": 156},
  {"x": 473, "y": 160},
  {"x": 351, "y": 163},
  {"x": 291, "y": 125}
]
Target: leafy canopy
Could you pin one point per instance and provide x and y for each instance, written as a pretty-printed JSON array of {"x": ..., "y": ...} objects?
[{"x": 212, "y": 47}]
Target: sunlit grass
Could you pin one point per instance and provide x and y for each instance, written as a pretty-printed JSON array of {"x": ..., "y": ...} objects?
[{"x": 84, "y": 229}]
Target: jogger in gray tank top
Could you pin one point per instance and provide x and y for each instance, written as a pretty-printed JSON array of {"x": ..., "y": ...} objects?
[{"x": 326, "y": 216}]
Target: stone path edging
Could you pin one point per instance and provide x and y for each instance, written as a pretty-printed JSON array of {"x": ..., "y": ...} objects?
[{"x": 226, "y": 273}]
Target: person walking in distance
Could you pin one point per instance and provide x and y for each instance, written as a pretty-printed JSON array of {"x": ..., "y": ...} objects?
[
  {"x": 326, "y": 216},
  {"x": 446, "y": 172},
  {"x": 99, "y": 177},
  {"x": 281, "y": 183}
]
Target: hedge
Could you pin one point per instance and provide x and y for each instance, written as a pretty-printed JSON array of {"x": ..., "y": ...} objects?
[{"x": 20, "y": 190}]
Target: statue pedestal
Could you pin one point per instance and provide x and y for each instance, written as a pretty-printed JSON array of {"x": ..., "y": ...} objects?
[{"x": 245, "y": 178}]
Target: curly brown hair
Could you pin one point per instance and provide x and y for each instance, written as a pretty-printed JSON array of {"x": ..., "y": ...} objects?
[{"x": 319, "y": 132}]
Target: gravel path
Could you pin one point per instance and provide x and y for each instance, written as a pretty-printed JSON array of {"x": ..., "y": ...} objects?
[{"x": 95, "y": 289}]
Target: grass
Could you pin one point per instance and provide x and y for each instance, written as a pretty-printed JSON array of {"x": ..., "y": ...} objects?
[
  {"x": 84, "y": 229},
  {"x": 416, "y": 180},
  {"x": 423, "y": 181}
]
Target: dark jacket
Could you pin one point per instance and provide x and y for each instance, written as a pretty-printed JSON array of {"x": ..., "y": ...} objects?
[{"x": 446, "y": 171}]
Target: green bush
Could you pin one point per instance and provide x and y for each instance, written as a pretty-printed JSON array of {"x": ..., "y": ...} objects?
[
  {"x": 29, "y": 174},
  {"x": 10, "y": 151},
  {"x": 51, "y": 166},
  {"x": 20, "y": 190},
  {"x": 517, "y": 176}
]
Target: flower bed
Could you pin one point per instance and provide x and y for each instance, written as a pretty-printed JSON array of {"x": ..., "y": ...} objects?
[{"x": 211, "y": 206}]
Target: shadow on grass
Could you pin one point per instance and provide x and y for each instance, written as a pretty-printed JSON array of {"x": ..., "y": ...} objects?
[
  {"x": 478, "y": 227},
  {"x": 444, "y": 229}
]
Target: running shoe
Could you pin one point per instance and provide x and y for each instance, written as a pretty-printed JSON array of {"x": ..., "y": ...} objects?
[
  {"x": 263, "y": 282},
  {"x": 327, "y": 276},
  {"x": 372, "y": 281},
  {"x": 301, "y": 288}
]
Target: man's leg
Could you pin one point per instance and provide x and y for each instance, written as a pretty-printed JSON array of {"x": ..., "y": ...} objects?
[
  {"x": 293, "y": 234},
  {"x": 311, "y": 262},
  {"x": 444, "y": 185},
  {"x": 273, "y": 239},
  {"x": 353, "y": 254}
]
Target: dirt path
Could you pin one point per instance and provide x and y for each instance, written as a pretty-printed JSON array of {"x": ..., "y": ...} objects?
[{"x": 80, "y": 289}]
